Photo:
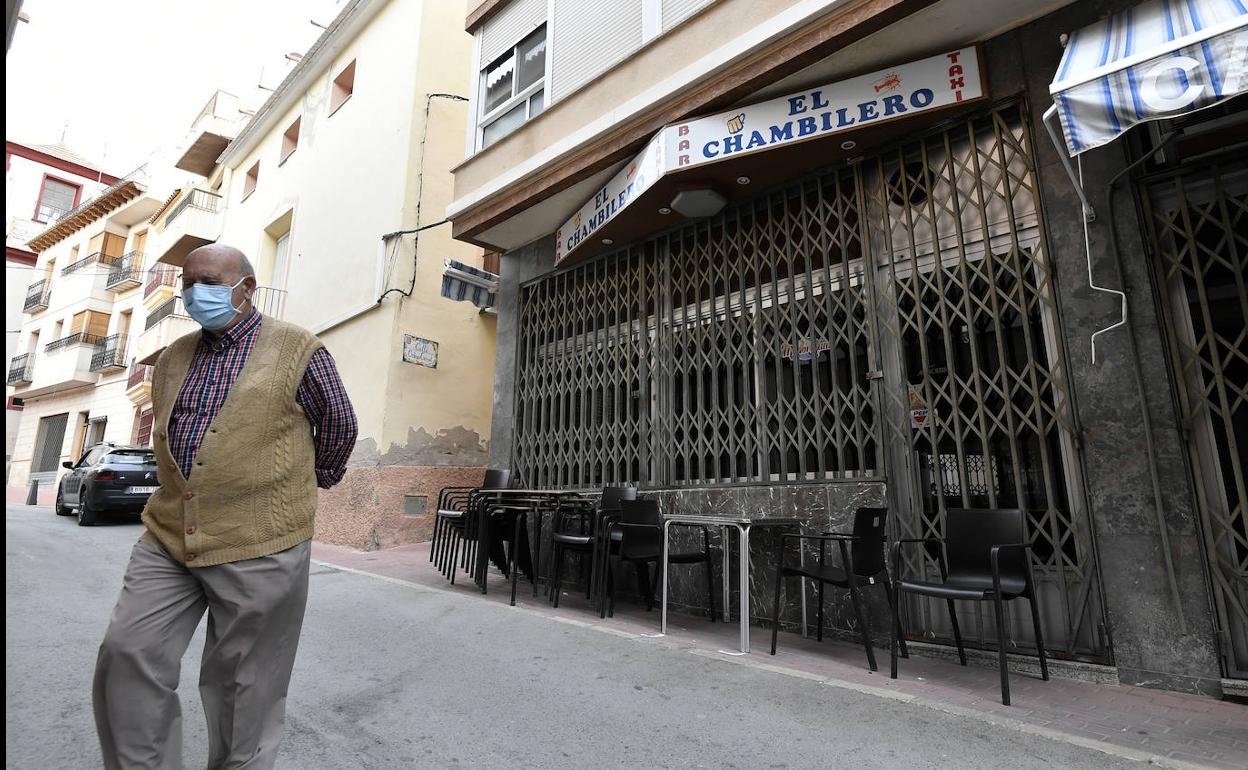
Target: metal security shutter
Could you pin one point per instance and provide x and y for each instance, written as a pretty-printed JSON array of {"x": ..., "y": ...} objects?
[
  {"x": 587, "y": 39},
  {"x": 506, "y": 27},
  {"x": 48, "y": 443},
  {"x": 676, "y": 11}
]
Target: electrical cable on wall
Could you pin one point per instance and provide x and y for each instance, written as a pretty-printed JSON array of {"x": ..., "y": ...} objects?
[{"x": 420, "y": 186}]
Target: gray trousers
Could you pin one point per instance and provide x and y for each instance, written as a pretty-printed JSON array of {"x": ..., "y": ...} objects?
[{"x": 255, "y": 613}]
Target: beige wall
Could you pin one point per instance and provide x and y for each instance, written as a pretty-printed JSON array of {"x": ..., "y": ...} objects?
[{"x": 354, "y": 177}]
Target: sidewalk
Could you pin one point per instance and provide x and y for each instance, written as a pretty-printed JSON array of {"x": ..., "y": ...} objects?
[{"x": 1163, "y": 728}]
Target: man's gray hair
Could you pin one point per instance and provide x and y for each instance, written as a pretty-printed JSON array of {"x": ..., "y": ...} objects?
[{"x": 244, "y": 266}]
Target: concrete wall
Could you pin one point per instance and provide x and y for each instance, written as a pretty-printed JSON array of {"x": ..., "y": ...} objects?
[{"x": 1150, "y": 646}]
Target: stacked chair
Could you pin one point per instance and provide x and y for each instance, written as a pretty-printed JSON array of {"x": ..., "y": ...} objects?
[
  {"x": 585, "y": 531},
  {"x": 457, "y": 509},
  {"x": 640, "y": 544}
]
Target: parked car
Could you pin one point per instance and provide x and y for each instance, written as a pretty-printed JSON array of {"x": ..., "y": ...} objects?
[{"x": 109, "y": 478}]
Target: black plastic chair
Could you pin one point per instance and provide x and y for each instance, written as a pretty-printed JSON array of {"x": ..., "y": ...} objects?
[
  {"x": 607, "y": 538},
  {"x": 454, "y": 505},
  {"x": 862, "y": 564},
  {"x": 641, "y": 543},
  {"x": 983, "y": 559},
  {"x": 573, "y": 529}
]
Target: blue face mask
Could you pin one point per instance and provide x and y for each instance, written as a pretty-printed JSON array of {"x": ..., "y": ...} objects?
[{"x": 211, "y": 305}]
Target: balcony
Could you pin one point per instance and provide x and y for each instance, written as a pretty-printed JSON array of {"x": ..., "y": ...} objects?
[
  {"x": 125, "y": 273},
  {"x": 161, "y": 286},
  {"x": 77, "y": 338},
  {"x": 195, "y": 221},
  {"x": 269, "y": 301},
  {"x": 139, "y": 382},
  {"x": 109, "y": 354},
  {"x": 91, "y": 259},
  {"x": 216, "y": 125},
  {"x": 164, "y": 325},
  {"x": 66, "y": 365},
  {"x": 21, "y": 369},
  {"x": 37, "y": 295}
]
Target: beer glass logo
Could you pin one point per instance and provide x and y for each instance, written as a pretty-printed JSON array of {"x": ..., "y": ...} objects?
[{"x": 736, "y": 123}]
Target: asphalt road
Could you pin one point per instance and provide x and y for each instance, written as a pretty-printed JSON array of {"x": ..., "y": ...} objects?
[{"x": 392, "y": 677}]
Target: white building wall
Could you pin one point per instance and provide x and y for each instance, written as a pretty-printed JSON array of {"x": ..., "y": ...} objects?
[
  {"x": 22, "y": 182},
  {"x": 81, "y": 290}
]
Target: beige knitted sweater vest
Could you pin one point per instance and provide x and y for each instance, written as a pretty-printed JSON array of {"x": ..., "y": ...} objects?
[{"x": 252, "y": 489}]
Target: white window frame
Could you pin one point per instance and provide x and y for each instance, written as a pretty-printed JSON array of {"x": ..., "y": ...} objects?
[{"x": 483, "y": 121}]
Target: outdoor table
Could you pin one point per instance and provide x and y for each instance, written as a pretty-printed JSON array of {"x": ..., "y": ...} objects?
[
  {"x": 516, "y": 503},
  {"x": 743, "y": 523}
]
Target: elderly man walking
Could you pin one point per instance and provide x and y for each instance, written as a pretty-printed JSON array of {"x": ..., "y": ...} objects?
[{"x": 250, "y": 418}]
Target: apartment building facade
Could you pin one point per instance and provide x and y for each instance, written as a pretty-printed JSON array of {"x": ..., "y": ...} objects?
[
  {"x": 42, "y": 182},
  {"x": 330, "y": 187},
  {"x": 806, "y": 256},
  {"x": 73, "y": 369}
]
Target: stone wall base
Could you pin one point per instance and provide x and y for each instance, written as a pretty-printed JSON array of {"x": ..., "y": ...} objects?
[{"x": 386, "y": 506}]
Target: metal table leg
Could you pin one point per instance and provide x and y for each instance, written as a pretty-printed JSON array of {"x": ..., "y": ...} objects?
[
  {"x": 663, "y": 604},
  {"x": 726, "y": 558},
  {"x": 801, "y": 584},
  {"x": 744, "y": 559}
]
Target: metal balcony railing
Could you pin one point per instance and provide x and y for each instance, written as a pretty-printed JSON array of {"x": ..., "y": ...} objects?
[
  {"x": 139, "y": 374},
  {"x": 269, "y": 301},
  {"x": 21, "y": 369},
  {"x": 196, "y": 199},
  {"x": 160, "y": 275},
  {"x": 77, "y": 338},
  {"x": 90, "y": 259},
  {"x": 37, "y": 295},
  {"x": 171, "y": 308},
  {"x": 125, "y": 272},
  {"x": 110, "y": 353}
]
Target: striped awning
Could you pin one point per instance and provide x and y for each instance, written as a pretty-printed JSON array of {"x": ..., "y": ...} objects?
[
  {"x": 1158, "y": 59},
  {"x": 468, "y": 283}
]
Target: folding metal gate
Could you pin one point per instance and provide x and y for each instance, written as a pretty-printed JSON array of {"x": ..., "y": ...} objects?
[
  {"x": 749, "y": 347},
  {"x": 977, "y": 405},
  {"x": 1198, "y": 222}
]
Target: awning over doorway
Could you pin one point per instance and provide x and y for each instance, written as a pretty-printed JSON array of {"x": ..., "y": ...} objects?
[
  {"x": 1158, "y": 59},
  {"x": 688, "y": 157},
  {"x": 462, "y": 282}
]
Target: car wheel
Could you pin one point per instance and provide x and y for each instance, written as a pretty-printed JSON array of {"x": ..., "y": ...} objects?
[
  {"x": 60, "y": 508},
  {"x": 87, "y": 516}
]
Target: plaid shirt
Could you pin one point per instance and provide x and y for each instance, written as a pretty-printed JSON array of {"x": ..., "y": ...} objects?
[{"x": 213, "y": 371}]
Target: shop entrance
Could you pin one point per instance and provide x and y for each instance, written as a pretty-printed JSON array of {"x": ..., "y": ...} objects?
[
  {"x": 891, "y": 321},
  {"x": 1198, "y": 223},
  {"x": 977, "y": 403}
]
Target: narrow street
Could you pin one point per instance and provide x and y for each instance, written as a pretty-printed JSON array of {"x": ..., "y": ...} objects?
[{"x": 389, "y": 676}]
